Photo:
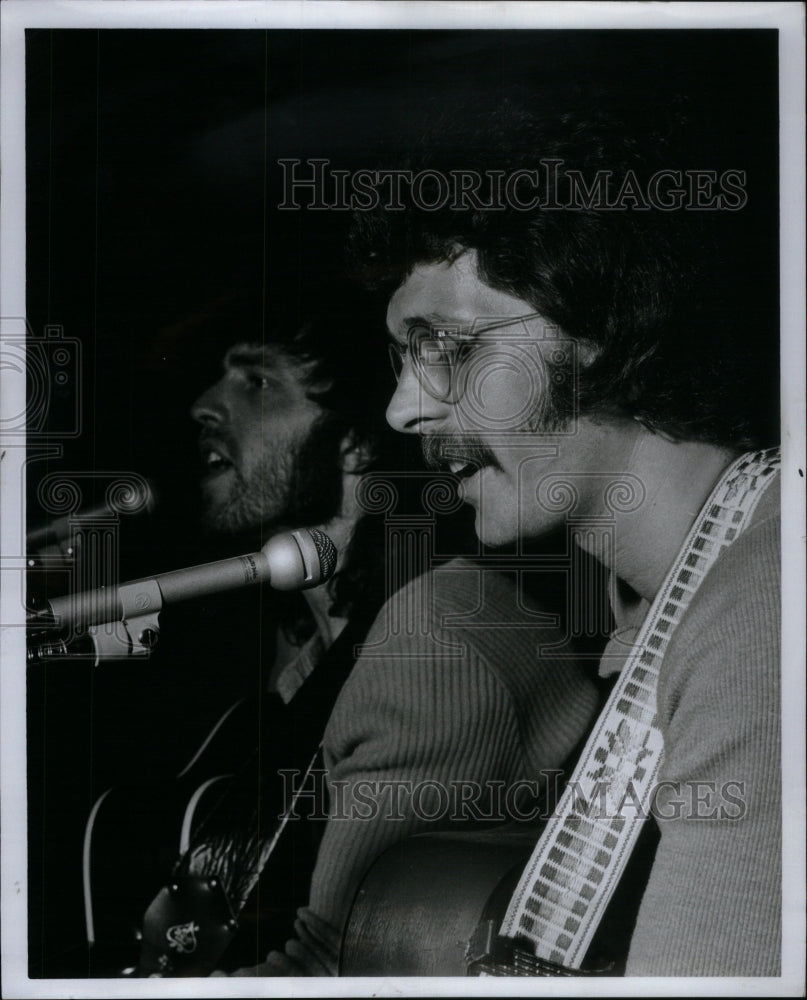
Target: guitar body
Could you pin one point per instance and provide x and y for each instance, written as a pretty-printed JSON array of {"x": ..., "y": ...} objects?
[
  {"x": 422, "y": 900},
  {"x": 134, "y": 833},
  {"x": 182, "y": 860}
]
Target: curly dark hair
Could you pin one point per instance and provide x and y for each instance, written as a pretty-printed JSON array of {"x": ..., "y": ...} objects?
[{"x": 662, "y": 297}]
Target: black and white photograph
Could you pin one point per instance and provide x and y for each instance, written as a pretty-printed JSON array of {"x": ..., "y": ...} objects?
[{"x": 402, "y": 448}]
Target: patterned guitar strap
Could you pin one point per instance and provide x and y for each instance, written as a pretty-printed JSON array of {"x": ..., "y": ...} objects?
[{"x": 582, "y": 852}]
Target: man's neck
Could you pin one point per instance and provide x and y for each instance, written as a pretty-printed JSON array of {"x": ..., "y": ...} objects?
[{"x": 677, "y": 478}]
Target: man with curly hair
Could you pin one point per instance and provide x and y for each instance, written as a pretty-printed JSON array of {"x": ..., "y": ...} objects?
[{"x": 576, "y": 337}]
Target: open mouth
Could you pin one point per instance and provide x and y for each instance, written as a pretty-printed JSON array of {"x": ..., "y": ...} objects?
[
  {"x": 462, "y": 470},
  {"x": 214, "y": 461}
]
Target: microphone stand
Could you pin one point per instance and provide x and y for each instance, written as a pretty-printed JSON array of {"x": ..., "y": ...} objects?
[{"x": 136, "y": 633}]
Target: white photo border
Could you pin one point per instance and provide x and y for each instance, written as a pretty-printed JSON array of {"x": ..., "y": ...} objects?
[{"x": 788, "y": 19}]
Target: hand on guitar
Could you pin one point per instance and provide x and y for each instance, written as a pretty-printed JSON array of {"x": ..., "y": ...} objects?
[{"x": 313, "y": 951}]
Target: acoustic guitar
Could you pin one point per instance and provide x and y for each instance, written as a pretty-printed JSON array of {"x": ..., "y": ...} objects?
[
  {"x": 144, "y": 844},
  {"x": 432, "y": 905},
  {"x": 213, "y": 872}
]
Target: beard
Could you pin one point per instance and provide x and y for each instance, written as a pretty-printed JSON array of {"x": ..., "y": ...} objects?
[{"x": 297, "y": 483}]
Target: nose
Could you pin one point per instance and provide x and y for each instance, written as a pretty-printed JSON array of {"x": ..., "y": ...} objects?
[
  {"x": 412, "y": 410},
  {"x": 209, "y": 408}
]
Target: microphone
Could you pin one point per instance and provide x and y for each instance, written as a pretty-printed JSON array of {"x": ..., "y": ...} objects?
[
  {"x": 293, "y": 560},
  {"x": 139, "y": 498}
]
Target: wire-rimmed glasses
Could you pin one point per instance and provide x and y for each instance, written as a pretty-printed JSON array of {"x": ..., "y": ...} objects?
[{"x": 438, "y": 351}]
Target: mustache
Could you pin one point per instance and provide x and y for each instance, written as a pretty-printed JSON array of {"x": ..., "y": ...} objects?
[
  {"x": 439, "y": 449},
  {"x": 217, "y": 441}
]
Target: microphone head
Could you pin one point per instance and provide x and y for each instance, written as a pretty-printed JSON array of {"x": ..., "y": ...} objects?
[
  {"x": 132, "y": 496},
  {"x": 326, "y": 552},
  {"x": 300, "y": 559}
]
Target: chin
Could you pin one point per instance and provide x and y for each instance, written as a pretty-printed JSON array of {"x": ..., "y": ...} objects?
[
  {"x": 495, "y": 531},
  {"x": 227, "y": 519}
]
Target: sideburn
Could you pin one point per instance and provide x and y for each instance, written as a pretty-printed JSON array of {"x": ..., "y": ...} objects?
[{"x": 315, "y": 489}]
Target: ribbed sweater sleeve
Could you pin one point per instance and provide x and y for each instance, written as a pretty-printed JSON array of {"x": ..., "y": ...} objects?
[
  {"x": 713, "y": 902},
  {"x": 429, "y": 714}
]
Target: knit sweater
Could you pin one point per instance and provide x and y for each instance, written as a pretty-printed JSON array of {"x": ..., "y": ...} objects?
[
  {"x": 712, "y": 906},
  {"x": 430, "y": 705}
]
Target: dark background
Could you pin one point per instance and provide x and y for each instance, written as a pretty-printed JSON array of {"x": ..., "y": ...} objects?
[{"x": 151, "y": 206}]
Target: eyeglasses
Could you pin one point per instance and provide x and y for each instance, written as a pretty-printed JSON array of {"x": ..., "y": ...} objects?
[{"x": 438, "y": 352}]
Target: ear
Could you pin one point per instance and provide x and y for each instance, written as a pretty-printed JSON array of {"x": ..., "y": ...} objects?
[{"x": 356, "y": 454}]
